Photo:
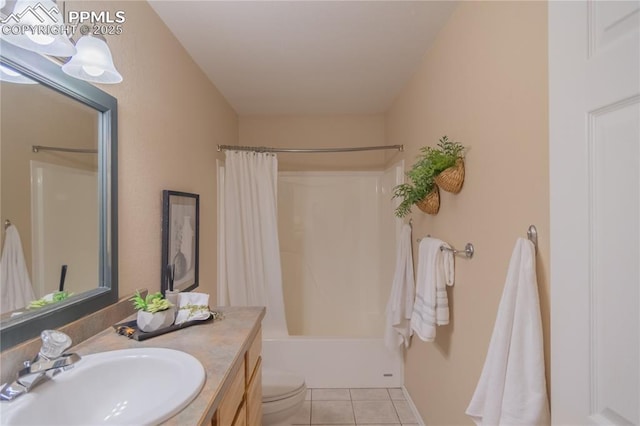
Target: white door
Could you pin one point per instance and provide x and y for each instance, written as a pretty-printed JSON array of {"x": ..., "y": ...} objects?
[{"x": 594, "y": 94}]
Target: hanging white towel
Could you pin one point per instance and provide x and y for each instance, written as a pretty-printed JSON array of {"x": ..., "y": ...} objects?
[
  {"x": 15, "y": 286},
  {"x": 400, "y": 305},
  {"x": 512, "y": 388},
  {"x": 435, "y": 272}
]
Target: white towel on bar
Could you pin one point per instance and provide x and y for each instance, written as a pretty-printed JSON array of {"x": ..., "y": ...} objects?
[
  {"x": 400, "y": 304},
  {"x": 435, "y": 272},
  {"x": 15, "y": 286},
  {"x": 512, "y": 388}
]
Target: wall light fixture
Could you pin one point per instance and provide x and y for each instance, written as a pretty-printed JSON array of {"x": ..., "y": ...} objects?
[{"x": 39, "y": 26}]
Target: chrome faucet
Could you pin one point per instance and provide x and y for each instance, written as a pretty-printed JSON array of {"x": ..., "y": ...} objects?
[{"x": 49, "y": 361}]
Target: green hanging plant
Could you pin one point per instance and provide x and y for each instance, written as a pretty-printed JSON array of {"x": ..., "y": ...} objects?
[{"x": 430, "y": 164}]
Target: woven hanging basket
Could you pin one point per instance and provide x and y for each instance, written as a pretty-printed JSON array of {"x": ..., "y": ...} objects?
[
  {"x": 451, "y": 179},
  {"x": 431, "y": 203}
]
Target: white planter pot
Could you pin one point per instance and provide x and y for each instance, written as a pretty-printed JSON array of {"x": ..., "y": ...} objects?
[{"x": 148, "y": 321}]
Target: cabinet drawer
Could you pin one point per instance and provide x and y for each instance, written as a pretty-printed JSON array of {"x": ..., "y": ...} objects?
[
  {"x": 253, "y": 353},
  {"x": 232, "y": 399},
  {"x": 254, "y": 396}
]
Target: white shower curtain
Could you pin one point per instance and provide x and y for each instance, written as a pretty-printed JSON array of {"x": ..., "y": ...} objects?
[{"x": 250, "y": 239}]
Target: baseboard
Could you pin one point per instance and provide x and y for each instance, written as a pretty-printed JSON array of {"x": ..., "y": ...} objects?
[{"x": 412, "y": 406}]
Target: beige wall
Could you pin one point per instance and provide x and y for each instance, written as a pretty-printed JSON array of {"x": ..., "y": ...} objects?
[
  {"x": 483, "y": 83},
  {"x": 170, "y": 118},
  {"x": 318, "y": 132}
]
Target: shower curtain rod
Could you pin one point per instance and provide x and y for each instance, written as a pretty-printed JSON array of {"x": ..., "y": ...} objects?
[
  {"x": 307, "y": 150},
  {"x": 38, "y": 148}
]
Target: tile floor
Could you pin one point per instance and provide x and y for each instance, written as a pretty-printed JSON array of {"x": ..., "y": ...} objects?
[{"x": 371, "y": 407}]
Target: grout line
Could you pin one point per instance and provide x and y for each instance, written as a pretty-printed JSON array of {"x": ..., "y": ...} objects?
[
  {"x": 353, "y": 410},
  {"x": 396, "y": 410}
]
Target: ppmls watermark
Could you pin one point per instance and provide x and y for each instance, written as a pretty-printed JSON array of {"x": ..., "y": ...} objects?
[
  {"x": 102, "y": 22},
  {"x": 38, "y": 20}
]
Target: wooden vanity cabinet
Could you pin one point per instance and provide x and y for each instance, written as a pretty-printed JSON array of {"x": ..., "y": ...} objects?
[
  {"x": 253, "y": 375},
  {"x": 241, "y": 404}
]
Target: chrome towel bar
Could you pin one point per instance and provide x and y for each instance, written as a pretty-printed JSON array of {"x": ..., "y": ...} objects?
[{"x": 467, "y": 252}]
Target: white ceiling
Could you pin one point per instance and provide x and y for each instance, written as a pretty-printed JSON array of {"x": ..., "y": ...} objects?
[{"x": 306, "y": 57}]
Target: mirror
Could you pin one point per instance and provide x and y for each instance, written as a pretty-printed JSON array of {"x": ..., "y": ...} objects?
[{"x": 58, "y": 190}]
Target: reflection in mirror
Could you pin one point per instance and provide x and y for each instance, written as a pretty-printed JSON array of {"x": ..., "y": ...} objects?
[
  {"x": 57, "y": 196},
  {"x": 50, "y": 196}
]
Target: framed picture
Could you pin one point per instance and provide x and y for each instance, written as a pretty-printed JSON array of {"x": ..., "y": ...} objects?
[{"x": 180, "y": 240}]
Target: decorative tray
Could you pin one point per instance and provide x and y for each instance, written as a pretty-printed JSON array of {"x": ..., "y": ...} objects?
[{"x": 130, "y": 328}]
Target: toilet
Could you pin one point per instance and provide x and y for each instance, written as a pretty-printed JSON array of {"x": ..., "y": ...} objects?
[{"x": 283, "y": 393}]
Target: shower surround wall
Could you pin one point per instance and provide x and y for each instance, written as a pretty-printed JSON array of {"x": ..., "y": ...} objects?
[
  {"x": 337, "y": 242},
  {"x": 337, "y": 245}
]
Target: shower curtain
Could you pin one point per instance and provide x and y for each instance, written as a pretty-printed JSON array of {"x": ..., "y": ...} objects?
[{"x": 251, "y": 251}]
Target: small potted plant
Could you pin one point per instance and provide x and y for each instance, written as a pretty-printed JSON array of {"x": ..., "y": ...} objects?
[
  {"x": 424, "y": 177},
  {"x": 154, "y": 311},
  {"x": 55, "y": 297}
]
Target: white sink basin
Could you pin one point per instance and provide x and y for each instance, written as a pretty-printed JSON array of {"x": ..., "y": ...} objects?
[{"x": 126, "y": 387}]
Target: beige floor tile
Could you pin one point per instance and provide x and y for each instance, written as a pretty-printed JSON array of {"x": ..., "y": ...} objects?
[
  {"x": 330, "y": 395},
  {"x": 308, "y": 396},
  {"x": 404, "y": 412},
  {"x": 370, "y": 394},
  {"x": 372, "y": 412},
  {"x": 396, "y": 393},
  {"x": 331, "y": 412},
  {"x": 303, "y": 416}
]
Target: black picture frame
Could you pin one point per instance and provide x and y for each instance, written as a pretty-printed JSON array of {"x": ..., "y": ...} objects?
[{"x": 180, "y": 223}]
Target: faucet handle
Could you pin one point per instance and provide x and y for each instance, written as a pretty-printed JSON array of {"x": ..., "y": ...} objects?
[{"x": 54, "y": 343}]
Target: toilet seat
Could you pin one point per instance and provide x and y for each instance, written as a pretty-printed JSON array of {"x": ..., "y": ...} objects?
[{"x": 278, "y": 385}]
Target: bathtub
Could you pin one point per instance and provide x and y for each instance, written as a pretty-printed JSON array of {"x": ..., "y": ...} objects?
[{"x": 335, "y": 362}]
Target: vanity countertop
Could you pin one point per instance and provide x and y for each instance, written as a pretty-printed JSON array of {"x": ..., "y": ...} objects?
[{"x": 218, "y": 345}]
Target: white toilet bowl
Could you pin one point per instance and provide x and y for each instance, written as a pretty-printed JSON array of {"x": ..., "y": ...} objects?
[{"x": 282, "y": 396}]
